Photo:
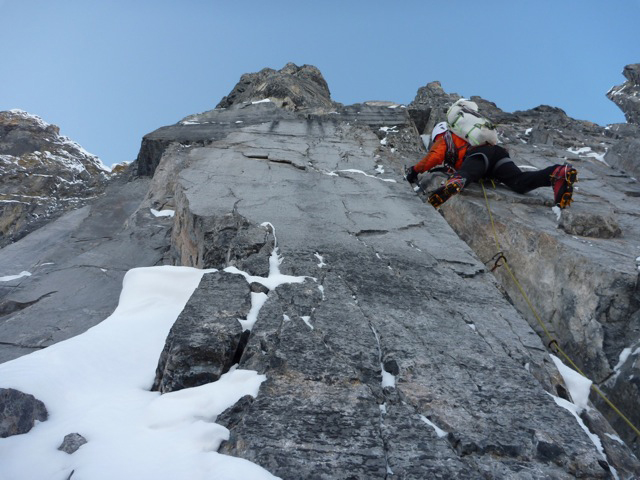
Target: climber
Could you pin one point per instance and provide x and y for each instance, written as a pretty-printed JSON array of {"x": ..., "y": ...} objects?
[{"x": 468, "y": 164}]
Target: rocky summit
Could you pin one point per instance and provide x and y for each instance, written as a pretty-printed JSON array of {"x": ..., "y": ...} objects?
[
  {"x": 43, "y": 174},
  {"x": 393, "y": 343}
]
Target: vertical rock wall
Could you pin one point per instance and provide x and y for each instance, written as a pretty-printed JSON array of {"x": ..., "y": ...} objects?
[{"x": 397, "y": 353}]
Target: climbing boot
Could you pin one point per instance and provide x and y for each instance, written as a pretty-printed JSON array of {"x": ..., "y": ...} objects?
[
  {"x": 562, "y": 180},
  {"x": 454, "y": 185}
]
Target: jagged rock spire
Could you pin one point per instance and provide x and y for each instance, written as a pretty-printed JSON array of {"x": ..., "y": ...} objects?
[{"x": 627, "y": 95}]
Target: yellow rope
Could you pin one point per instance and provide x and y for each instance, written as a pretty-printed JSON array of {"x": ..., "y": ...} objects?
[{"x": 542, "y": 324}]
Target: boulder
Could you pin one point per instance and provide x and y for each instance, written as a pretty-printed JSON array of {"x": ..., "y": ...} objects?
[
  {"x": 19, "y": 412},
  {"x": 72, "y": 443},
  {"x": 206, "y": 339}
]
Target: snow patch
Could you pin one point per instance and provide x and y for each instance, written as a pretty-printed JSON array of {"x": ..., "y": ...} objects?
[
  {"x": 439, "y": 432},
  {"x": 98, "y": 384},
  {"x": 272, "y": 281},
  {"x": 307, "y": 320},
  {"x": 258, "y": 299},
  {"x": 624, "y": 355},
  {"x": 579, "y": 387},
  {"x": 615, "y": 438},
  {"x": 266, "y": 100},
  {"x": 388, "y": 379},
  {"x": 352, "y": 170},
  {"x": 162, "y": 213},
  {"x": 9, "y": 278},
  {"x": 587, "y": 152}
]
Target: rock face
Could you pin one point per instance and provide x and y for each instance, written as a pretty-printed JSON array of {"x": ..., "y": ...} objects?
[
  {"x": 71, "y": 259},
  {"x": 580, "y": 271},
  {"x": 19, "y": 412},
  {"x": 627, "y": 95},
  {"x": 206, "y": 340},
  {"x": 625, "y": 154},
  {"x": 398, "y": 353},
  {"x": 42, "y": 173},
  {"x": 388, "y": 346}
]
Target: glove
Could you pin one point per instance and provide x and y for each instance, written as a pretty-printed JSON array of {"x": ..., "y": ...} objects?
[{"x": 411, "y": 175}]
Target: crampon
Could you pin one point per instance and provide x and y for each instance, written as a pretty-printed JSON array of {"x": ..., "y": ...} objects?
[
  {"x": 562, "y": 180},
  {"x": 451, "y": 187}
]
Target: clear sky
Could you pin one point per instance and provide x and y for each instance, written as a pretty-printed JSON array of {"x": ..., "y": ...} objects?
[{"x": 107, "y": 72}]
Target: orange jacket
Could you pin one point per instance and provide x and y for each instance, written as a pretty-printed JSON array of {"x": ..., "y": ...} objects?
[{"x": 436, "y": 155}]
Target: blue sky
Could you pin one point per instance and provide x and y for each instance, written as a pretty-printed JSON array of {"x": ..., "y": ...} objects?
[{"x": 107, "y": 72}]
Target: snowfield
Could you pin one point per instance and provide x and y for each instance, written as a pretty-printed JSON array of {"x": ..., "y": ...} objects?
[{"x": 97, "y": 384}]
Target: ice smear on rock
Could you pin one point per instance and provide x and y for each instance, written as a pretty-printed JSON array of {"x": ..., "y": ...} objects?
[
  {"x": 439, "y": 432},
  {"x": 9, "y": 278},
  {"x": 272, "y": 281},
  {"x": 275, "y": 278},
  {"x": 162, "y": 213}
]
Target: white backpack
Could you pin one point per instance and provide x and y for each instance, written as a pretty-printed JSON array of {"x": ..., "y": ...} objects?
[{"x": 465, "y": 121}]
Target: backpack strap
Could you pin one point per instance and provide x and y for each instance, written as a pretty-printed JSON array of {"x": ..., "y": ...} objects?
[{"x": 451, "y": 155}]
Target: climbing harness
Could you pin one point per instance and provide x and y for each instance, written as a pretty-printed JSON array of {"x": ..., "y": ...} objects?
[
  {"x": 451, "y": 154},
  {"x": 552, "y": 341}
]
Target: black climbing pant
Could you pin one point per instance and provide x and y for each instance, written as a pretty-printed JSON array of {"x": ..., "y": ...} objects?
[{"x": 492, "y": 161}]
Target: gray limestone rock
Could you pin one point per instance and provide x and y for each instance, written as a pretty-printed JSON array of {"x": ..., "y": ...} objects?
[
  {"x": 19, "y": 412},
  {"x": 202, "y": 129},
  {"x": 625, "y": 153},
  {"x": 206, "y": 339},
  {"x": 590, "y": 224},
  {"x": 390, "y": 293},
  {"x": 578, "y": 271},
  {"x": 71, "y": 443},
  {"x": 433, "y": 100},
  {"x": 77, "y": 264}
]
